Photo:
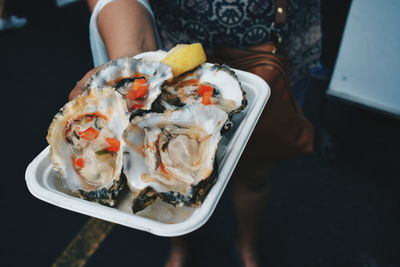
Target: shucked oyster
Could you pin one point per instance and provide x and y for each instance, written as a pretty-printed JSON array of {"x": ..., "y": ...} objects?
[
  {"x": 86, "y": 144},
  {"x": 139, "y": 81},
  {"x": 209, "y": 84},
  {"x": 171, "y": 155}
]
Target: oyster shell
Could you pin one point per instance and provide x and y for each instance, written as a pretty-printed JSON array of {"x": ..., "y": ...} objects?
[
  {"x": 139, "y": 81},
  {"x": 210, "y": 84},
  {"x": 171, "y": 155},
  {"x": 158, "y": 55},
  {"x": 85, "y": 140}
]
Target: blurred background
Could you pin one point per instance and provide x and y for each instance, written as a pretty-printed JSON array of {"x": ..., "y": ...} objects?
[{"x": 339, "y": 206}]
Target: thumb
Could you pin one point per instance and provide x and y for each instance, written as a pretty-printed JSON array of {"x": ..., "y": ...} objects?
[{"x": 80, "y": 86}]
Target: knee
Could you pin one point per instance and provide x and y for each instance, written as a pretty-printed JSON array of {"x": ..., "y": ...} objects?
[
  {"x": 253, "y": 181},
  {"x": 253, "y": 176}
]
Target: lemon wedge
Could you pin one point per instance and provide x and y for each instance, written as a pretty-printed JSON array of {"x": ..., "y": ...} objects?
[{"x": 185, "y": 57}]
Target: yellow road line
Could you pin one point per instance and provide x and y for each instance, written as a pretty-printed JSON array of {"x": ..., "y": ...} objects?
[{"x": 84, "y": 244}]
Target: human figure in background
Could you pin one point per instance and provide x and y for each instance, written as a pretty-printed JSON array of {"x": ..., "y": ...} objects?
[
  {"x": 10, "y": 21},
  {"x": 126, "y": 29}
]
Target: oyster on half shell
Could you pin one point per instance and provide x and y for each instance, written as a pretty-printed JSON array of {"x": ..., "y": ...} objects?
[
  {"x": 209, "y": 84},
  {"x": 171, "y": 155},
  {"x": 138, "y": 80},
  {"x": 86, "y": 144}
]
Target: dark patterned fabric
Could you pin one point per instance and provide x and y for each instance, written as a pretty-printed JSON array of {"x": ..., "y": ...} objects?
[{"x": 242, "y": 23}]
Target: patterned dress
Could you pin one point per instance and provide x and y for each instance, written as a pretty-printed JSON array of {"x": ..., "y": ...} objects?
[{"x": 239, "y": 23}]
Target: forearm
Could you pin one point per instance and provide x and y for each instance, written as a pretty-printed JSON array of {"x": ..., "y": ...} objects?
[{"x": 125, "y": 27}]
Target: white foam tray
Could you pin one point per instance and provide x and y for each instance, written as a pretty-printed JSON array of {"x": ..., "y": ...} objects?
[{"x": 44, "y": 184}]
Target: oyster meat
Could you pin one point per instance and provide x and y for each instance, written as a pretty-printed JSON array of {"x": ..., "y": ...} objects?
[
  {"x": 209, "y": 84},
  {"x": 86, "y": 144},
  {"x": 139, "y": 81},
  {"x": 171, "y": 155}
]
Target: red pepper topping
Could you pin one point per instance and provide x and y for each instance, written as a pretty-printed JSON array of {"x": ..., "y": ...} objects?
[
  {"x": 79, "y": 162},
  {"x": 206, "y": 91},
  {"x": 89, "y": 134},
  {"x": 114, "y": 145},
  {"x": 137, "y": 75},
  {"x": 136, "y": 106},
  {"x": 204, "y": 88},
  {"x": 207, "y": 98},
  {"x": 139, "y": 89}
]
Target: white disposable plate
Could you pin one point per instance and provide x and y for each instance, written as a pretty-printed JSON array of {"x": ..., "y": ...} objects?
[{"x": 161, "y": 219}]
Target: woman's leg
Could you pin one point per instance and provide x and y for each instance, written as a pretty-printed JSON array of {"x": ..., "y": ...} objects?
[
  {"x": 251, "y": 188},
  {"x": 181, "y": 254}
]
